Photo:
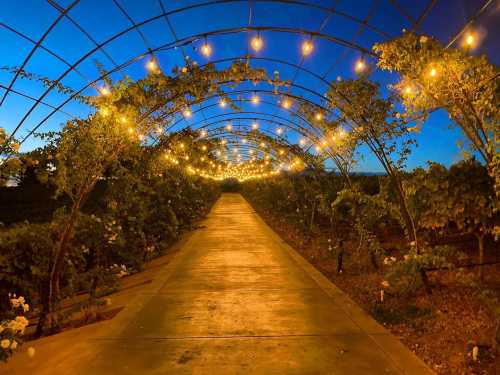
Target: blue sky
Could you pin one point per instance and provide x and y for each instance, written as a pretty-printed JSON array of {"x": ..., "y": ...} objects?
[{"x": 103, "y": 19}]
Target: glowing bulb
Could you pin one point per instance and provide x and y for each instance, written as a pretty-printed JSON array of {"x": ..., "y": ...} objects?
[
  {"x": 152, "y": 66},
  {"x": 469, "y": 40},
  {"x": 206, "y": 50},
  {"x": 203, "y": 133},
  {"x": 229, "y": 127},
  {"x": 262, "y": 144},
  {"x": 141, "y": 137},
  {"x": 257, "y": 43},
  {"x": 319, "y": 116},
  {"x": 342, "y": 133},
  {"x": 123, "y": 119},
  {"x": 302, "y": 141},
  {"x": 360, "y": 65},
  {"x": 307, "y": 47},
  {"x": 317, "y": 148},
  {"x": 286, "y": 104},
  {"x": 104, "y": 91},
  {"x": 279, "y": 130},
  {"x": 244, "y": 141},
  {"x": 433, "y": 72},
  {"x": 187, "y": 113},
  {"x": 408, "y": 90},
  {"x": 182, "y": 145},
  {"x": 104, "y": 112},
  {"x": 255, "y": 99},
  {"x": 159, "y": 130},
  {"x": 130, "y": 130},
  {"x": 282, "y": 152},
  {"x": 255, "y": 126},
  {"x": 222, "y": 103}
]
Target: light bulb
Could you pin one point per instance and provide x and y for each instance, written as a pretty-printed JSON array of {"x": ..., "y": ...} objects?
[
  {"x": 279, "y": 130},
  {"x": 187, "y": 113},
  {"x": 104, "y": 91},
  {"x": 433, "y": 72},
  {"x": 319, "y": 116},
  {"x": 222, "y": 103},
  {"x": 152, "y": 65},
  {"x": 286, "y": 104},
  {"x": 257, "y": 43},
  {"x": 229, "y": 127},
  {"x": 206, "y": 50},
  {"x": 302, "y": 141},
  {"x": 307, "y": 47},
  {"x": 360, "y": 65},
  {"x": 255, "y": 99},
  {"x": 255, "y": 126}
]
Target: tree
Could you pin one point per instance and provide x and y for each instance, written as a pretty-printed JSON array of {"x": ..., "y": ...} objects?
[
  {"x": 465, "y": 86},
  {"x": 374, "y": 122},
  {"x": 461, "y": 196},
  {"x": 9, "y": 163}
]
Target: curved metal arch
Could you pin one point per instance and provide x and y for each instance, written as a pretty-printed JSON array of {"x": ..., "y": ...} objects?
[
  {"x": 292, "y": 113},
  {"x": 249, "y": 101},
  {"x": 38, "y": 44},
  {"x": 167, "y": 46},
  {"x": 301, "y": 132}
]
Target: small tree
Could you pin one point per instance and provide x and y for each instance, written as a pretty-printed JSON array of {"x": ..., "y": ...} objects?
[
  {"x": 465, "y": 86},
  {"x": 9, "y": 163}
]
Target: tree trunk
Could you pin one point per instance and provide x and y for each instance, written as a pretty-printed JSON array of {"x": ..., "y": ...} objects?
[
  {"x": 410, "y": 227},
  {"x": 480, "y": 238}
]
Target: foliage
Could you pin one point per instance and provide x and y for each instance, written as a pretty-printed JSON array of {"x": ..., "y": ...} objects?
[
  {"x": 464, "y": 85},
  {"x": 12, "y": 326},
  {"x": 9, "y": 163}
]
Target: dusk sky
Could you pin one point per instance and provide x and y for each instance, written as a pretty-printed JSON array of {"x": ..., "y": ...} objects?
[{"x": 102, "y": 20}]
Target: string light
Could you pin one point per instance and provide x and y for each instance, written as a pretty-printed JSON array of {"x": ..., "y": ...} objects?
[
  {"x": 104, "y": 91},
  {"x": 257, "y": 43},
  {"x": 286, "y": 103},
  {"x": 255, "y": 125},
  {"x": 307, "y": 47},
  {"x": 152, "y": 65},
  {"x": 187, "y": 113},
  {"x": 255, "y": 99},
  {"x": 229, "y": 127},
  {"x": 206, "y": 49},
  {"x": 222, "y": 103},
  {"x": 360, "y": 66}
]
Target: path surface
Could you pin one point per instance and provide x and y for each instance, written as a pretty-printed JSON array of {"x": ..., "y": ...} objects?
[{"x": 237, "y": 300}]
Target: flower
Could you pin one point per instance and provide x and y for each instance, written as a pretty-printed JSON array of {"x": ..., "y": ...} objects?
[
  {"x": 5, "y": 343},
  {"x": 31, "y": 352}
]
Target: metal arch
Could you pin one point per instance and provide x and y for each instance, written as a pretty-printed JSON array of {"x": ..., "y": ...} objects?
[
  {"x": 34, "y": 99},
  {"x": 184, "y": 41},
  {"x": 33, "y": 50},
  {"x": 296, "y": 98},
  {"x": 82, "y": 30},
  {"x": 50, "y": 52},
  {"x": 300, "y": 131},
  {"x": 136, "y": 58},
  {"x": 255, "y": 116}
]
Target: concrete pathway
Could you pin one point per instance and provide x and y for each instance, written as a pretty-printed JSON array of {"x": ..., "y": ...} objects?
[{"x": 235, "y": 300}]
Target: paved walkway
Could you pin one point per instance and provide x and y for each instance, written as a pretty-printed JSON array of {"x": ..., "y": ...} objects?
[{"x": 237, "y": 300}]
